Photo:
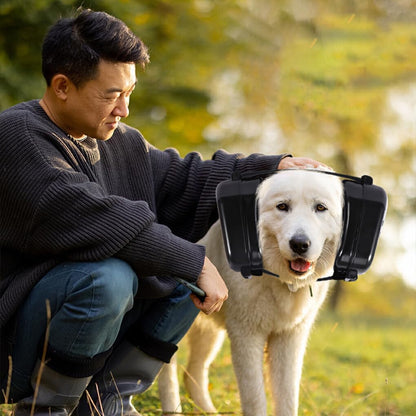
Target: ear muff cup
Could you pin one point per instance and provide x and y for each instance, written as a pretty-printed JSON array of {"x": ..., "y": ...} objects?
[
  {"x": 365, "y": 206},
  {"x": 236, "y": 202}
]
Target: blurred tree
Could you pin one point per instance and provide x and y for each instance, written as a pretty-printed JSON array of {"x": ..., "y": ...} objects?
[
  {"x": 312, "y": 77},
  {"x": 22, "y": 27}
]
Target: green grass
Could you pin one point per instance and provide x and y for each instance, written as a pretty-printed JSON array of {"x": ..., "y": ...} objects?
[
  {"x": 360, "y": 366},
  {"x": 353, "y": 366},
  {"x": 360, "y": 360}
]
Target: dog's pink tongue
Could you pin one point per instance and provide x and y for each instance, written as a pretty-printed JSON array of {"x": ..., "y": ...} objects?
[{"x": 300, "y": 265}]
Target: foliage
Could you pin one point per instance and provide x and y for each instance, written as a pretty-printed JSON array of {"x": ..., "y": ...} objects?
[
  {"x": 341, "y": 76},
  {"x": 311, "y": 78},
  {"x": 322, "y": 77},
  {"x": 325, "y": 79},
  {"x": 22, "y": 27}
]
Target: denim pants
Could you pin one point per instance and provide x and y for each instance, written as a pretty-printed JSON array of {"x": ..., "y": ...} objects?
[{"x": 92, "y": 306}]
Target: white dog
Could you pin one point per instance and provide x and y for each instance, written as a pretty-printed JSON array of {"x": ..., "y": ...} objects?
[{"x": 300, "y": 225}]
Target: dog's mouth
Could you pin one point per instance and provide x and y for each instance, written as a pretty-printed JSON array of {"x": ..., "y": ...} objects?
[{"x": 300, "y": 266}]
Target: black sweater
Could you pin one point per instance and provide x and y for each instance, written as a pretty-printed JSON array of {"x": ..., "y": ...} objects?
[{"x": 66, "y": 200}]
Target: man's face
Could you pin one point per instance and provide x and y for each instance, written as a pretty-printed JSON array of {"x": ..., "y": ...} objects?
[{"x": 95, "y": 108}]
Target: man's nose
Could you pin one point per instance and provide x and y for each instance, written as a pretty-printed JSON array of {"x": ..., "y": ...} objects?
[{"x": 122, "y": 107}]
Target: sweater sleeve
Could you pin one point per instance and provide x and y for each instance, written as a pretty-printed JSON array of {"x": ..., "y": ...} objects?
[
  {"x": 77, "y": 221},
  {"x": 185, "y": 188}
]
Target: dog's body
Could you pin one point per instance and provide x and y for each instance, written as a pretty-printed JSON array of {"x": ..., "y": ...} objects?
[{"x": 300, "y": 224}]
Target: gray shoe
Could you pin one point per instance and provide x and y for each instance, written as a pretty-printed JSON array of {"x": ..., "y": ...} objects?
[
  {"x": 129, "y": 371},
  {"x": 57, "y": 394}
]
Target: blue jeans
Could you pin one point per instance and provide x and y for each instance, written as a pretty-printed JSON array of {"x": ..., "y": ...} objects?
[{"x": 92, "y": 305}]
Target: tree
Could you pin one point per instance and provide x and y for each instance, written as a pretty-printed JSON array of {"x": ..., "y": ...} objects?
[{"x": 313, "y": 78}]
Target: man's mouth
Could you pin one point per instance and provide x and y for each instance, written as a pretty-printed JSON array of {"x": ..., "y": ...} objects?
[
  {"x": 113, "y": 124},
  {"x": 300, "y": 266}
]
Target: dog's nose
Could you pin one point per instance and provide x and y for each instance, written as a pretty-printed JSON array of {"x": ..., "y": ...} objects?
[{"x": 300, "y": 244}]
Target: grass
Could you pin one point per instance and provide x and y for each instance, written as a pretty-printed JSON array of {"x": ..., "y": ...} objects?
[
  {"x": 360, "y": 360},
  {"x": 354, "y": 366},
  {"x": 360, "y": 366}
]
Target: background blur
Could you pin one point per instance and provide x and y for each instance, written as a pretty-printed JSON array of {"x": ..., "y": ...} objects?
[{"x": 334, "y": 80}]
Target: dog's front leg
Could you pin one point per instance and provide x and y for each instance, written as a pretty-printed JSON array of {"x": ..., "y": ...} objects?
[
  {"x": 247, "y": 350},
  {"x": 285, "y": 356}
]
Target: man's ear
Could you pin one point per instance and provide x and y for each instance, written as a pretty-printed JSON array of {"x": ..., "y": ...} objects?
[{"x": 60, "y": 85}]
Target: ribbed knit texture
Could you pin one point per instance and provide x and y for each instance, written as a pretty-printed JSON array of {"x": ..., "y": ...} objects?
[{"x": 86, "y": 201}]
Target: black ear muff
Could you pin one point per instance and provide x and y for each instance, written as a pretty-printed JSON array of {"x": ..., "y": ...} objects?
[
  {"x": 236, "y": 201},
  {"x": 365, "y": 208}
]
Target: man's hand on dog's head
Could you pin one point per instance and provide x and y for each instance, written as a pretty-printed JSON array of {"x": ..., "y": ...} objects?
[
  {"x": 214, "y": 287},
  {"x": 301, "y": 163}
]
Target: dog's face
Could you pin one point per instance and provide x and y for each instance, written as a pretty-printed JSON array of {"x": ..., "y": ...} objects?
[{"x": 300, "y": 225}]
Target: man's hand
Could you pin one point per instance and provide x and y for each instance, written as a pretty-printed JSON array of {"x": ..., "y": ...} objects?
[
  {"x": 301, "y": 162},
  {"x": 212, "y": 284}
]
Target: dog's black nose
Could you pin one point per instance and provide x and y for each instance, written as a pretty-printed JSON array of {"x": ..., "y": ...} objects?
[{"x": 300, "y": 244}]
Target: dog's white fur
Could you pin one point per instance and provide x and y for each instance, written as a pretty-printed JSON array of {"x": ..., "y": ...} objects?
[{"x": 265, "y": 311}]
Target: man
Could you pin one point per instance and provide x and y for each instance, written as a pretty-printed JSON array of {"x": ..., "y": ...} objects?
[{"x": 94, "y": 231}]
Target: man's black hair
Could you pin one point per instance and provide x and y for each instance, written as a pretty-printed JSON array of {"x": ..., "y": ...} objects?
[{"x": 75, "y": 46}]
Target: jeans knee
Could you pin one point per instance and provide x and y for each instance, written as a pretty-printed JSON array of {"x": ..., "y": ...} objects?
[{"x": 115, "y": 285}]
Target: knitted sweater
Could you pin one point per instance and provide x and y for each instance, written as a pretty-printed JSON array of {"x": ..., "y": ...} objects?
[{"x": 67, "y": 200}]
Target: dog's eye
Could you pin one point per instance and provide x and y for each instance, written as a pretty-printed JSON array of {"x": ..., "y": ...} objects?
[
  {"x": 282, "y": 207},
  {"x": 320, "y": 208}
]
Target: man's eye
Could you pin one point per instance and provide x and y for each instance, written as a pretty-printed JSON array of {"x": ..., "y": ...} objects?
[
  {"x": 282, "y": 207},
  {"x": 320, "y": 208}
]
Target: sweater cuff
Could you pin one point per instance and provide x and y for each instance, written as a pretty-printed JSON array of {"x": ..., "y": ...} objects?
[{"x": 258, "y": 162}]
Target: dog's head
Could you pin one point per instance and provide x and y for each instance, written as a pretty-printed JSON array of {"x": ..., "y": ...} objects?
[{"x": 300, "y": 225}]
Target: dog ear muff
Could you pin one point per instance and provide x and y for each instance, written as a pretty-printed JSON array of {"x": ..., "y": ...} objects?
[
  {"x": 364, "y": 211},
  {"x": 236, "y": 202},
  {"x": 365, "y": 207}
]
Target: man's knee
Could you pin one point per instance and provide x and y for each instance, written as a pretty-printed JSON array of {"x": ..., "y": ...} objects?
[
  {"x": 99, "y": 294},
  {"x": 115, "y": 285}
]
